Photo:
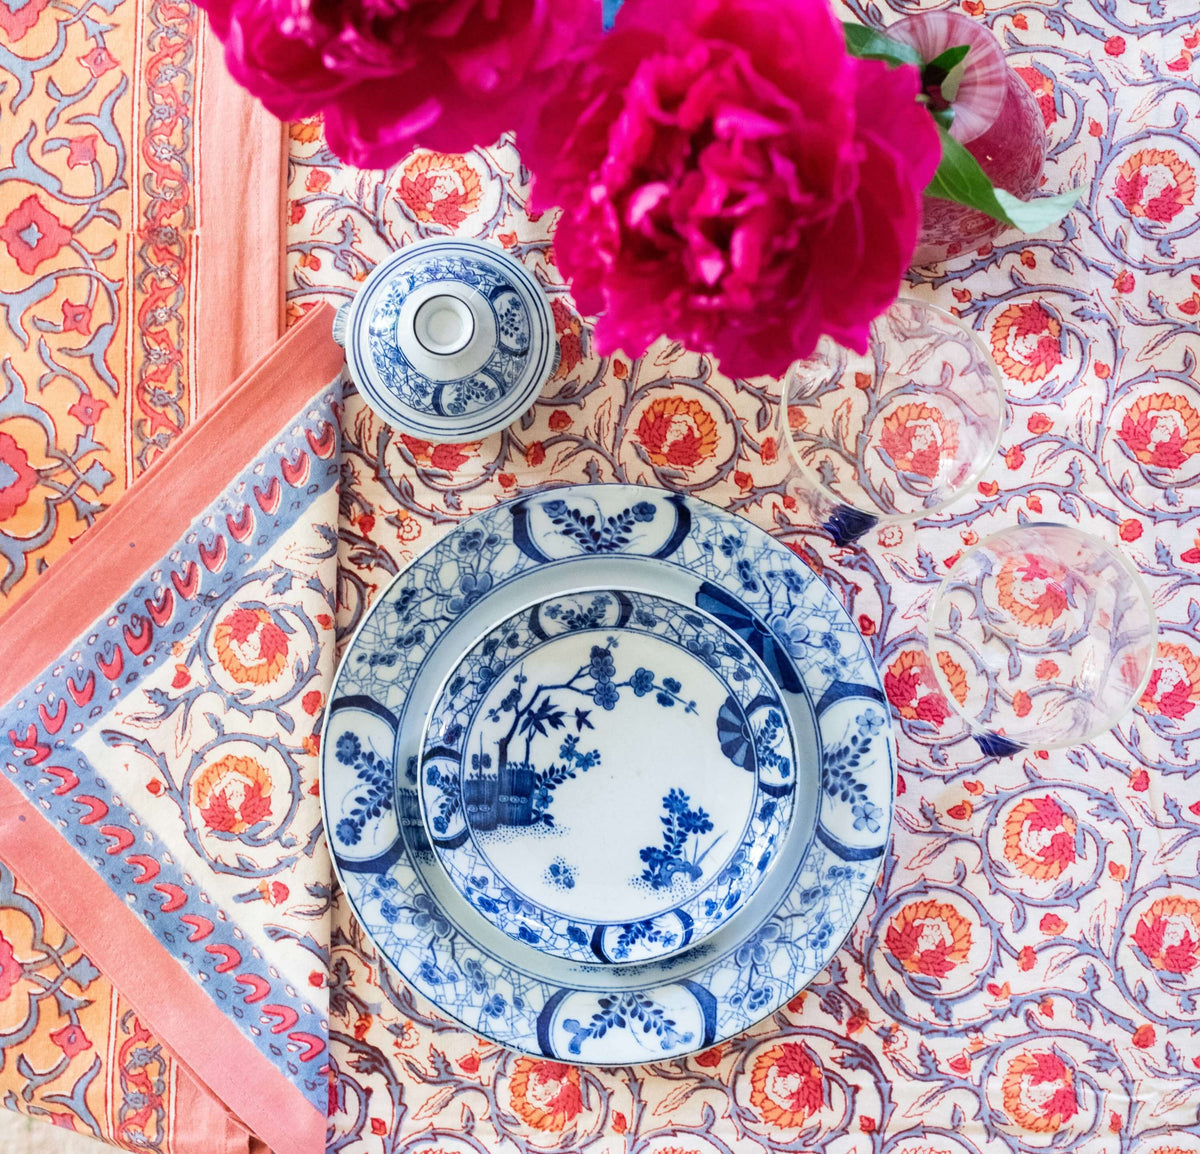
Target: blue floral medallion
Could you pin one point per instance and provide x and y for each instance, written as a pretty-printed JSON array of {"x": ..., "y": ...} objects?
[
  {"x": 762, "y": 609},
  {"x": 594, "y": 764}
]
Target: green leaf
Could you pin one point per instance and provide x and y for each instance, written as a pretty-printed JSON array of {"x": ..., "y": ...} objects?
[
  {"x": 945, "y": 72},
  {"x": 960, "y": 179},
  {"x": 949, "y": 59},
  {"x": 868, "y": 44}
]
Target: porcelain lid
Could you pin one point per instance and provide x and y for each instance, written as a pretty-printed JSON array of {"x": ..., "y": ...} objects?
[{"x": 449, "y": 340}]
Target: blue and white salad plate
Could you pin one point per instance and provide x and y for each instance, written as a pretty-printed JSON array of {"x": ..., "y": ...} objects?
[
  {"x": 538, "y": 561},
  {"x": 607, "y": 775},
  {"x": 449, "y": 340}
]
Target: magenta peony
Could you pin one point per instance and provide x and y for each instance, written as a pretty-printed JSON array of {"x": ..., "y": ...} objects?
[
  {"x": 732, "y": 179},
  {"x": 390, "y": 75}
]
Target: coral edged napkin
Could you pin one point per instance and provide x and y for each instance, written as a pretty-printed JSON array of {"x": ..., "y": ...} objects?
[{"x": 158, "y": 793}]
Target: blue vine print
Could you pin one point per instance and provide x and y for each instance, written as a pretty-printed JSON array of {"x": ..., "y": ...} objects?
[
  {"x": 681, "y": 823},
  {"x": 619, "y": 1013},
  {"x": 611, "y": 535},
  {"x": 521, "y": 793},
  {"x": 375, "y": 774}
]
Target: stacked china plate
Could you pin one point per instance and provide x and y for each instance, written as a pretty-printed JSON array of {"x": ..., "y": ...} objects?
[{"x": 607, "y": 774}]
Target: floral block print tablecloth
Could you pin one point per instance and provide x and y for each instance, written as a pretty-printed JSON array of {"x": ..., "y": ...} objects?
[
  {"x": 118, "y": 321},
  {"x": 1026, "y": 977}
]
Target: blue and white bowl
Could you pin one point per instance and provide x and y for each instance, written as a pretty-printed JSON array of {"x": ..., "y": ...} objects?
[{"x": 449, "y": 340}]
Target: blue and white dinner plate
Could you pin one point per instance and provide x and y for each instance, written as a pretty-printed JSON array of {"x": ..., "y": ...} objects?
[
  {"x": 681, "y": 550},
  {"x": 449, "y": 340},
  {"x": 607, "y": 775}
]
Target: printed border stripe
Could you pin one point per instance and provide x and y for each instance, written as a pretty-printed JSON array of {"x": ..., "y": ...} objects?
[
  {"x": 174, "y": 1005},
  {"x": 161, "y": 506}
]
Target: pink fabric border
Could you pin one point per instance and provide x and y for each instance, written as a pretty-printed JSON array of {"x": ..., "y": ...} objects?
[
  {"x": 239, "y": 228},
  {"x": 96, "y": 573}
]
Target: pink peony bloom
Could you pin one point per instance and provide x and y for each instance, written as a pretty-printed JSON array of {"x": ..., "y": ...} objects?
[
  {"x": 390, "y": 75},
  {"x": 732, "y": 179}
]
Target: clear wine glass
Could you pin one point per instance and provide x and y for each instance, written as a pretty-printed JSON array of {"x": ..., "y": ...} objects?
[
  {"x": 896, "y": 433},
  {"x": 1041, "y": 636}
]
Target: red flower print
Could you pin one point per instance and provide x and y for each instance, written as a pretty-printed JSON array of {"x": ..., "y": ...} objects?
[
  {"x": 1143, "y": 1037},
  {"x": 378, "y": 1126},
  {"x": 71, "y": 1040},
  {"x": 1052, "y": 924},
  {"x": 1115, "y": 45},
  {"x": 82, "y": 150},
  {"x": 1123, "y": 282},
  {"x": 1170, "y": 181},
  {"x": 440, "y": 188},
  {"x": 1027, "y": 341},
  {"x": 10, "y": 968},
  {"x": 88, "y": 409},
  {"x": 535, "y": 454},
  {"x": 1027, "y": 959},
  {"x": 710, "y": 1058},
  {"x": 448, "y": 457},
  {"x": 547, "y": 1096},
  {"x": 33, "y": 234},
  {"x": 787, "y": 1085},
  {"x": 16, "y": 21},
  {"x": 1039, "y": 423},
  {"x": 560, "y": 419},
  {"x": 1042, "y": 87},
  {"x": 677, "y": 431},
  {"x": 1161, "y": 430},
  {"x": 98, "y": 61},
  {"x": 619, "y": 1123},
  {"x": 311, "y": 702},
  {"x": 76, "y": 318},
  {"x": 928, "y": 937},
  {"x": 915, "y": 437},
  {"x": 17, "y": 476}
]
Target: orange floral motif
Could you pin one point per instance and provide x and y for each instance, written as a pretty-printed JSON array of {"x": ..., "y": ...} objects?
[
  {"x": 955, "y": 675},
  {"x": 251, "y": 646},
  {"x": 1161, "y": 430},
  {"x": 232, "y": 794},
  {"x": 1168, "y": 934},
  {"x": 1174, "y": 687},
  {"x": 546, "y": 1095},
  {"x": 917, "y": 437},
  {"x": 787, "y": 1086},
  {"x": 677, "y": 431},
  {"x": 928, "y": 937},
  {"x": 1039, "y": 838},
  {"x": 1030, "y": 588},
  {"x": 1027, "y": 341},
  {"x": 910, "y": 688},
  {"x": 1155, "y": 184},
  {"x": 1039, "y": 1091},
  {"x": 439, "y": 188}
]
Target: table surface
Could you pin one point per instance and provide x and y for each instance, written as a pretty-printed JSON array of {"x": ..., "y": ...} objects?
[
  {"x": 995, "y": 993},
  {"x": 1026, "y": 976}
]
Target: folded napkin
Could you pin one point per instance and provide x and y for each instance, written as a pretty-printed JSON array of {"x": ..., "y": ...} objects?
[{"x": 159, "y": 787}]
